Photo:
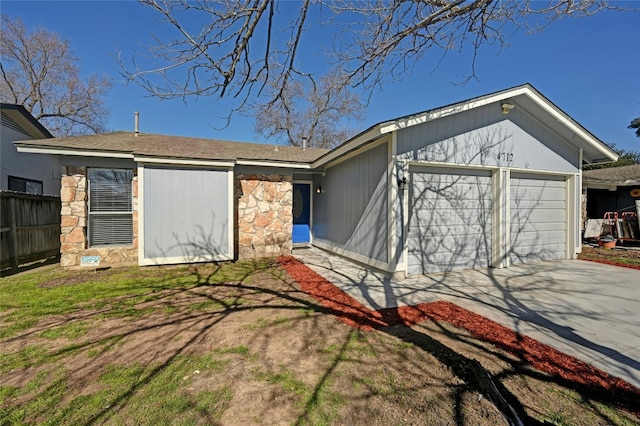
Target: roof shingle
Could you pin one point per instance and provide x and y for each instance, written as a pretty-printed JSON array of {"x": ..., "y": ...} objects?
[
  {"x": 622, "y": 175},
  {"x": 165, "y": 146}
]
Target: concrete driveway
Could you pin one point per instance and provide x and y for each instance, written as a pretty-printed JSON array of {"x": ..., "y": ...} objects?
[{"x": 585, "y": 309}]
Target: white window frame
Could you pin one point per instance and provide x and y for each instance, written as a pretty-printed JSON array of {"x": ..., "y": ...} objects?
[{"x": 104, "y": 213}]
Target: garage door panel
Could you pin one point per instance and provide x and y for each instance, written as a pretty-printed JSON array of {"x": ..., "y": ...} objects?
[
  {"x": 446, "y": 229},
  {"x": 436, "y": 262},
  {"x": 546, "y": 252},
  {"x": 533, "y": 216},
  {"x": 539, "y": 237},
  {"x": 457, "y": 206},
  {"x": 454, "y": 244},
  {"x": 538, "y": 218},
  {"x": 540, "y": 204},
  {"x": 450, "y": 220}
]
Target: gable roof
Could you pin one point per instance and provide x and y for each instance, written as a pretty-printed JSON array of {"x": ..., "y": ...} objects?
[
  {"x": 524, "y": 97},
  {"x": 625, "y": 175},
  {"x": 18, "y": 118},
  {"x": 153, "y": 147}
]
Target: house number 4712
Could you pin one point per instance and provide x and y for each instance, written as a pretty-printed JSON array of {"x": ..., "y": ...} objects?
[{"x": 505, "y": 156}]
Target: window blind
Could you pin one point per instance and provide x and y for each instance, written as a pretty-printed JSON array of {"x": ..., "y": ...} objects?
[{"x": 110, "y": 207}]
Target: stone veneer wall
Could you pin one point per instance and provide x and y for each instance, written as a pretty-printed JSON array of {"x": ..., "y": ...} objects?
[
  {"x": 73, "y": 223},
  {"x": 264, "y": 218}
]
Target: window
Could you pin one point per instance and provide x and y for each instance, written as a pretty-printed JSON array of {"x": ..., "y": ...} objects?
[
  {"x": 25, "y": 185},
  {"x": 110, "y": 207}
]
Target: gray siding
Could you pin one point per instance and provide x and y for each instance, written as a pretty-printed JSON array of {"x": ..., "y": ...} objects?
[
  {"x": 538, "y": 218},
  {"x": 351, "y": 211},
  {"x": 186, "y": 213},
  {"x": 450, "y": 214},
  {"x": 485, "y": 136},
  {"x": 40, "y": 167}
]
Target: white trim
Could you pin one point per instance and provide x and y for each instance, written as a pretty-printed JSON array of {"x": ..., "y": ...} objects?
[
  {"x": 230, "y": 255},
  {"x": 266, "y": 163},
  {"x": 141, "y": 259},
  {"x": 354, "y": 256},
  {"x": 570, "y": 217},
  {"x": 392, "y": 195},
  {"x": 184, "y": 260},
  {"x": 568, "y": 122},
  {"x": 405, "y": 225},
  {"x": 422, "y": 163},
  {"x": 458, "y": 166},
  {"x": 71, "y": 151},
  {"x": 231, "y": 211},
  {"x": 506, "y": 240},
  {"x": 357, "y": 142},
  {"x": 421, "y": 118},
  {"x": 610, "y": 186},
  {"x": 498, "y": 243},
  {"x": 184, "y": 162},
  {"x": 579, "y": 194},
  {"x": 355, "y": 153},
  {"x": 541, "y": 172},
  {"x": 311, "y": 192}
]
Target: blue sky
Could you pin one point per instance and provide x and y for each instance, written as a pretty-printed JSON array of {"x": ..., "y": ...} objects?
[{"x": 588, "y": 67}]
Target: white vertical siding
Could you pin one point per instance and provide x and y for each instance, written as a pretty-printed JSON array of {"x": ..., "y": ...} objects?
[{"x": 350, "y": 215}]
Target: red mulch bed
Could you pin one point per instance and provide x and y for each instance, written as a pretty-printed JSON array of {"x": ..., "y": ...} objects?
[
  {"x": 570, "y": 370},
  {"x": 614, "y": 263}
]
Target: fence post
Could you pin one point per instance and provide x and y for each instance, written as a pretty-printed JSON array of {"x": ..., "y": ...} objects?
[{"x": 14, "y": 233}]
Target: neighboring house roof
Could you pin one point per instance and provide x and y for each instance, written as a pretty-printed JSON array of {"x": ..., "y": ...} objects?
[
  {"x": 525, "y": 97},
  {"x": 621, "y": 176},
  {"x": 18, "y": 118},
  {"x": 151, "y": 146}
]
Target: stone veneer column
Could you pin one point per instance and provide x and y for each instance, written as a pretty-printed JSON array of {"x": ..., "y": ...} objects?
[
  {"x": 73, "y": 223},
  {"x": 264, "y": 221}
]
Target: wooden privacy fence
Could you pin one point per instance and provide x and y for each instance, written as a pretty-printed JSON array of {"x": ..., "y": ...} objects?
[{"x": 30, "y": 228}]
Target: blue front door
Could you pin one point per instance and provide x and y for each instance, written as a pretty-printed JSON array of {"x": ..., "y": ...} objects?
[{"x": 301, "y": 213}]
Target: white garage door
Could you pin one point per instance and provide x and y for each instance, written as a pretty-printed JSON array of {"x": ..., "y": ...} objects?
[
  {"x": 449, "y": 220},
  {"x": 538, "y": 218}
]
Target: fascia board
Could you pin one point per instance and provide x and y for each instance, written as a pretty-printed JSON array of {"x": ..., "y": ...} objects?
[
  {"x": 580, "y": 131},
  {"x": 27, "y": 121},
  {"x": 33, "y": 149},
  {"x": 540, "y": 100},
  {"x": 409, "y": 121},
  {"x": 265, "y": 163},
  {"x": 355, "y": 143},
  {"x": 181, "y": 161},
  {"x": 422, "y": 118},
  {"x": 611, "y": 186}
]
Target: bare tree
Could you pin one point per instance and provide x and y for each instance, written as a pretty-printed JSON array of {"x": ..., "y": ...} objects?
[
  {"x": 315, "y": 111},
  {"x": 39, "y": 71},
  {"x": 238, "y": 47},
  {"x": 384, "y": 39}
]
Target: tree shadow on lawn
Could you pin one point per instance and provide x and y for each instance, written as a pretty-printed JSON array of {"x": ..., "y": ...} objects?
[
  {"x": 193, "y": 315},
  {"x": 552, "y": 365}
]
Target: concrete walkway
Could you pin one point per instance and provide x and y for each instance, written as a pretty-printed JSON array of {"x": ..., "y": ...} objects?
[{"x": 585, "y": 309}]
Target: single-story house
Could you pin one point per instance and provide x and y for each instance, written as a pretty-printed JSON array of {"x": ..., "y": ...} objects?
[
  {"x": 487, "y": 182},
  {"x": 35, "y": 174},
  {"x": 614, "y": 189}
]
